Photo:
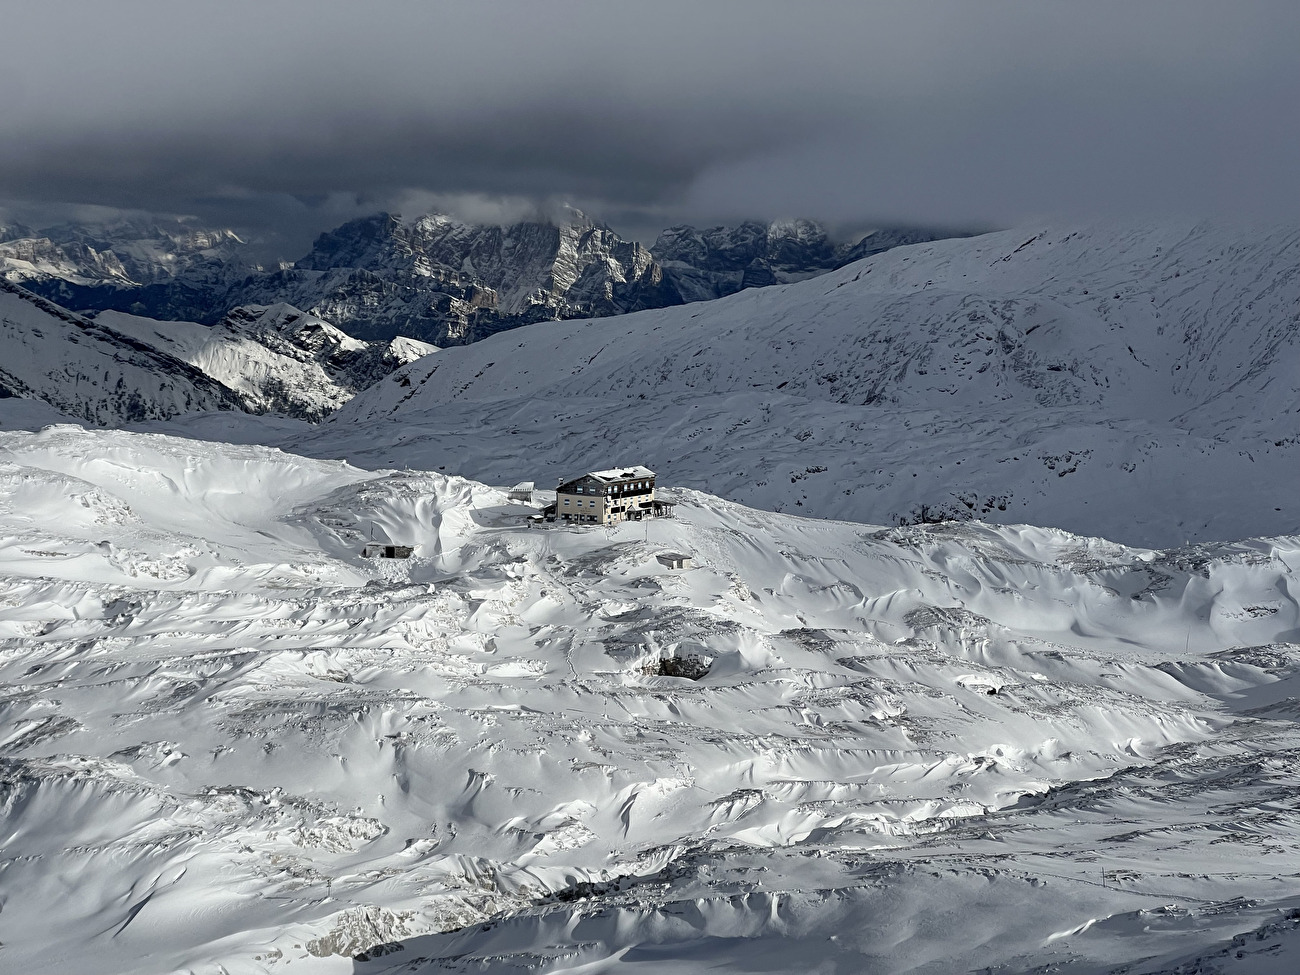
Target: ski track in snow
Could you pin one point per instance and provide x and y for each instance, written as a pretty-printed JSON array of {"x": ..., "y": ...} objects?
[{"x": 230, "y": 744}]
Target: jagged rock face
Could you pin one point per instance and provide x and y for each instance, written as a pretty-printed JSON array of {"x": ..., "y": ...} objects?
[
  {"x": 127, "y": 255},
  {"x": 793, "y": 244},
  {"x": 453, "y": 283},
  {"x": 351, "y": 364},
  {"x": 358, "y": 243},
  {"x": 78, "y": 263},
  {"x": 259, "y": 358},
  {"x": 16, "y": 231},
  {"x": 151, "y": 253},
  {"x": 175, "y": 272},
  {"x": 87, "y": 370},
  {"x": 436, "y": 279}
]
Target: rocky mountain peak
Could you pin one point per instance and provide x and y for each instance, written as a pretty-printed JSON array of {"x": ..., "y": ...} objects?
[
  {"x": 799, "y": 244},
  {"x": 357, "y": 243},
  {"x": 93, "y": 372},
  {"x": 286, "y": 323}
]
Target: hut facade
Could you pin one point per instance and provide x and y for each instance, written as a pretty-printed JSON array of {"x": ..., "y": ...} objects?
[{"x": 607, "y": 497}]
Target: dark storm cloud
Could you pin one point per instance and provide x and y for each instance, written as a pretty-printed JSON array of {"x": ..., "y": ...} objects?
[{"x": 295, "y": 115}]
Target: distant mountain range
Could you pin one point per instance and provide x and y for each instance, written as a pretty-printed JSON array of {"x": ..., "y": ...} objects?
[{"x": 435, "y": 279}]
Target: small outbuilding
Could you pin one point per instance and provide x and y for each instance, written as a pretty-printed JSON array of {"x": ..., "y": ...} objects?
[
  {"x": 385, "y": 550},
  {"x": 674, "y": 560},
  {"x": 523, "y": 491},
  {"x": 664, "y": 509}
]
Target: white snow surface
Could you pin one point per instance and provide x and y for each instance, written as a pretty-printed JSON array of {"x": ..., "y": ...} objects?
[
  {"x": 230, "y": 744},
  {"x": 1137, "y": 383}
]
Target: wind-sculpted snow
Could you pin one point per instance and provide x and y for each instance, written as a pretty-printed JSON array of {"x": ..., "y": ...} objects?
[
  {"x": 232, "y": 744},
  {"x": 1140, "y": 384}
]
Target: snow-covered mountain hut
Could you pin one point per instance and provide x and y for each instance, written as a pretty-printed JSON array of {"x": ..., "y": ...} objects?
[{"x": 607, "y": 497}]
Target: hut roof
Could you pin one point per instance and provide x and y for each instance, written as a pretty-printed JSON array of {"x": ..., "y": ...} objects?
[{"x": 621, "y": 473}]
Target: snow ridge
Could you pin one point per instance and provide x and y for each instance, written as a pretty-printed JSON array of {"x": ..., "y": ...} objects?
[{"x": 277, "y": 358}]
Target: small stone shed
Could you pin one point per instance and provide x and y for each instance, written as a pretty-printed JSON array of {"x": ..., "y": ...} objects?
[{"x": 675, "y": 560}]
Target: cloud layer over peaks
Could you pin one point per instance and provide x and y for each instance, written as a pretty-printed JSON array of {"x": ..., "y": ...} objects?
[{"x": 303, "y": 113}]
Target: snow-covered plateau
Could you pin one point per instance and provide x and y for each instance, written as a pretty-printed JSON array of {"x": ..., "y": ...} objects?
[{"x": 233, "y": 745}]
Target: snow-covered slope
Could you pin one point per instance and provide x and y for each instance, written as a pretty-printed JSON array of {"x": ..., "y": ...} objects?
[
  {"x": 231, "y": 744},
  {"x": 1137, "y": 383},
  {"x": 279, "y": 359},
  {"x": 93, "y": 372}
]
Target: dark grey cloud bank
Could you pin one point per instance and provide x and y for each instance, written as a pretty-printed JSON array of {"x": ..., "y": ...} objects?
[{"x": 295, "y": 115}]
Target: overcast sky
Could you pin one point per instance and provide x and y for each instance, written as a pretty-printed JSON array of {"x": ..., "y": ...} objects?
[{"x": 291, "y": 116}]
